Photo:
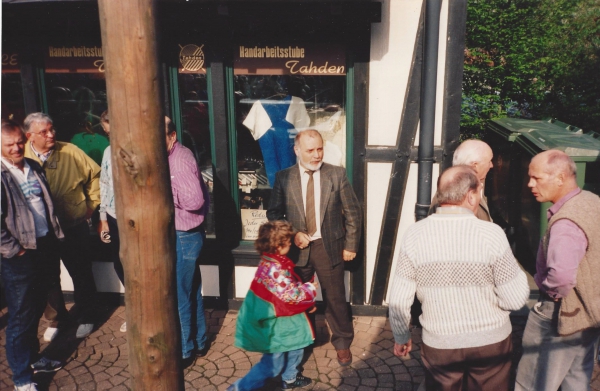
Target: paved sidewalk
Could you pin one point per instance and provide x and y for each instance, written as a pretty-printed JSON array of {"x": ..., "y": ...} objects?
[{"x": 99, "y": 362}]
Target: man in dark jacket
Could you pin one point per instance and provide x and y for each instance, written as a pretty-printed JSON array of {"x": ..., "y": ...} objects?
[
  {"x": 30, "y": 232},
  {"x": 318, "y": 200}
]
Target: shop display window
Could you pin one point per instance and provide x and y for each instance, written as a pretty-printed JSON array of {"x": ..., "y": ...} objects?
[
  {"x": 277, "y": 96},
  {"x": 195, "y": 132},
  {"x": 12, "y": 97}
]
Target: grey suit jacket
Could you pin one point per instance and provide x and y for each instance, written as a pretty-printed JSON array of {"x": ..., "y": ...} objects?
[{"x": 341, "y": 213}]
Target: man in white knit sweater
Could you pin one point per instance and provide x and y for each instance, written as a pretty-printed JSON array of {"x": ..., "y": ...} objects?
[{"x": 467, "y": 280}]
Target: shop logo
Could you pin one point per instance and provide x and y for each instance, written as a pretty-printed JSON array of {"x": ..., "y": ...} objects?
[{"x": 191, "y": 57}]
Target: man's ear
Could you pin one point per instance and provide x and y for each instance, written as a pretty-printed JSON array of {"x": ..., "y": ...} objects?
[
  {"x": 297, "y": 151},
  {"x": 472, "y": 197},
  {"x": 28, "y": 135}
]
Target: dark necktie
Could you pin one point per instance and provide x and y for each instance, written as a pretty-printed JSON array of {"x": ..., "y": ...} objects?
[{"x": 311, "y": 220}]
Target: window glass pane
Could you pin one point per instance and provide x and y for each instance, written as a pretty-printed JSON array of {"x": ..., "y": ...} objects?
[
  {"x": 196, "y": 132},
  {"x": 270, "y": 111},
  {"x": 12, "y": 97},
  {"x": 75, "y": 103}
]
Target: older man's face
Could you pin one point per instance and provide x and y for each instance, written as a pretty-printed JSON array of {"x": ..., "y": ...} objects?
[
  {"x": 310, "y": 152},
  {"x": 544, "y": 186},
  {"x": 13, "y": 147},
  {"x": 42, "y": 136},
  {"x": 483, "y": 167}
]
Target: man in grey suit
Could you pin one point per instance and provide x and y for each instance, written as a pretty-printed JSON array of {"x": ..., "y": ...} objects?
[{"x": 318, "y": 200}]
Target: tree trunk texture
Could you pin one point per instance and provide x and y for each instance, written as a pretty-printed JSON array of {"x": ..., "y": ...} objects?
[{"x": 143, "y": 198}]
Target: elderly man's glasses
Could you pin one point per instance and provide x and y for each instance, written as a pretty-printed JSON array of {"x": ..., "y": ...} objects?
[{"x": 46, "y": 133}]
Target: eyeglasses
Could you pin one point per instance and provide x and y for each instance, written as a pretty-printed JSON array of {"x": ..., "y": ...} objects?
[{"x": 45, "y": 133}]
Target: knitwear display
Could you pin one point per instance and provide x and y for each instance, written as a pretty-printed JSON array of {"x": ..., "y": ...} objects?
[{"x": 465, "y": 276}]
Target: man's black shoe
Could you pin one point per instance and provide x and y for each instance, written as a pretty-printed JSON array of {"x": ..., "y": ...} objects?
[
  {"x": 300, "y": 381},
  {"x": 202, "y": 352}
]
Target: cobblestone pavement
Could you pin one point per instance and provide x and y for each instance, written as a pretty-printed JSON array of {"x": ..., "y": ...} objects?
[{"x": 99, "y": 362}]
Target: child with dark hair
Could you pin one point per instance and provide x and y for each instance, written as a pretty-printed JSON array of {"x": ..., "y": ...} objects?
[{"x": 272, "y": 319}]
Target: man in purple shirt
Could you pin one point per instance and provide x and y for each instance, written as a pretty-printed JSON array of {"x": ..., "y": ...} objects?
[
  {"x": 558, "y": 342},
  {"x": 190, "y": 198}
]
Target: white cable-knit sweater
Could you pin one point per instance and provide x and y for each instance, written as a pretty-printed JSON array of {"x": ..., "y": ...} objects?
[{"x": 466, "y": 278}]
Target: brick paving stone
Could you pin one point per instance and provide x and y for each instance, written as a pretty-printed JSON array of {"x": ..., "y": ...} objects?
[{"x": 100, "y": 361}]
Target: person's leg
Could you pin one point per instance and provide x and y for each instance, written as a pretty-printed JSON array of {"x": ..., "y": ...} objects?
[
  {"x": 55, "y": 310},
  {"x": 580, "y": 373},
  {"x": 73, "y": 252},
  {"x": 444, "y": 368},
  {"x": 290, "y": 370},
  {"x": 187, "y": 247},
  {"x": 547, "y": 357},
  {"x": 489, "y": 366},
  {"x": 269, "y": 366},
  {"x": 337, "y": 310},
  {"x": 19, "y": 276},
  {"x": 115, "y": 245}
]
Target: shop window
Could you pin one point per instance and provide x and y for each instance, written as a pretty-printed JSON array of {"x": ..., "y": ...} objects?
[
  {"x": 76, "y": 96},
  {"x": 280, "y": 91},
  {"x": 12, "y": 89},
  {"x": 195, "y": 131}
]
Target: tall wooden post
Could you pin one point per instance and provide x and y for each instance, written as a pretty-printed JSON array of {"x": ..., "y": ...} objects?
[{"x": 144, "y": 202}]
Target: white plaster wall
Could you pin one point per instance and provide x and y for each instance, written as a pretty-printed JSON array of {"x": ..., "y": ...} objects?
[
  {"x": 441, "y": 75},
  {"x": 408, "y": 211},
  {"x": 107, "y": 281},
  {"x": 392, "y": 46},
  {"x": 378, "y": 181}
]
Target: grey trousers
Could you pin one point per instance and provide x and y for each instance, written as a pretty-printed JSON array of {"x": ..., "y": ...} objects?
[{"x": 551, "y": 361}]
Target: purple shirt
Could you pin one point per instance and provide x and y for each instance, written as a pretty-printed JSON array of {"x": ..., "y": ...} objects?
[
  {"x": 557, "y": 274},
  {"x": 185, "y": 184}
]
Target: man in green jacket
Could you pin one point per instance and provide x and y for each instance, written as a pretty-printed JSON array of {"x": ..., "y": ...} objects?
[{"x": 74, "y": 183}]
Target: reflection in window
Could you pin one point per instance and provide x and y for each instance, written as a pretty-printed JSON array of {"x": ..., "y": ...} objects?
[
  {"x": 12, "y": 97},
  {"x": 270, "y": 111},
  {"x": 196, "y": 132},
  {"x": 75, "y": 102}
]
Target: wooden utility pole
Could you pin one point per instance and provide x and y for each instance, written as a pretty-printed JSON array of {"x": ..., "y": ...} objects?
[{"x": 144, "y": 202}]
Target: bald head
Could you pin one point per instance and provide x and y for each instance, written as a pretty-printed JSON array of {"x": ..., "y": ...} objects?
[
  {"x": 474, "y": 153},
  {"x": 557, "y": 162},
  {"x": 552, "y": 175},
  {"x": 457, "y": 184}
]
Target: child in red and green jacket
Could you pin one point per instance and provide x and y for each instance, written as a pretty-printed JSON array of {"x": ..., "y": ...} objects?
[{"x": 272, "y": 319}]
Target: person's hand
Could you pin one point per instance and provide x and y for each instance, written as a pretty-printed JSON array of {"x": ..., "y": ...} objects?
[
  {"x": 404, "y": 349},
  {"x": 103, "y": 227},
  {"x": 21, "y": 252},
  {"x": 316, "y": 284},
  {"x": 348, "y": 255},
  {"x": 301, "y": 240},
  {"x": 313, "y": 309}
]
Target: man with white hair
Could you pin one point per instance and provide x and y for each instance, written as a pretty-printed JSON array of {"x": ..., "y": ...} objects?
[
  {"x": 465, "y": 275},
  {"x": 558, "y": 341},
  {"x": 478, "y": 155},
  {"x": 74, "y": 183}
]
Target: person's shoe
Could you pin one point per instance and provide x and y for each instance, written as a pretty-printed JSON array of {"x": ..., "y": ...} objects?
[
  {"x": 50, "y": 334},
  {"x": 27, "y": 387},
  {"x": 188, "y": 361},
  {"x": 202, "y": 352},
  {"x": 123, "y": 328},
  {"x": 301, "y": 381},
  {"x": 84, "y": 330},
  {"x": 45, "y": 365},
  {"x": 344, "y": 357}
]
